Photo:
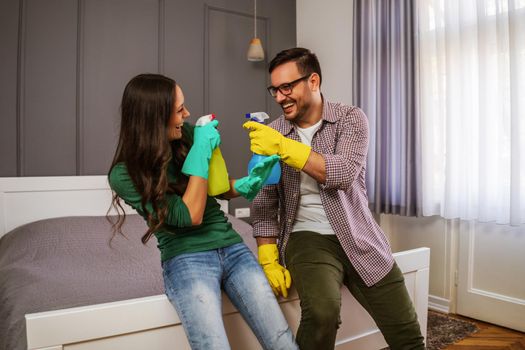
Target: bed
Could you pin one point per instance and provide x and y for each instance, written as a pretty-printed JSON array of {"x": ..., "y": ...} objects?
[{"x": 67, "y": 283}]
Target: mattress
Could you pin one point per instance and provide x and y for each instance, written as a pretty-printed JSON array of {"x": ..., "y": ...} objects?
[{"x": 76, "y": 261}]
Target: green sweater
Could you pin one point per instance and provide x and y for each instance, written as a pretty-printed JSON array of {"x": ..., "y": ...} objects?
[{"x": 178, "y": 236}]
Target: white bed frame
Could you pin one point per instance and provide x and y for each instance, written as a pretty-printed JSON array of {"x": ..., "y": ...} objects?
[{"x": 151, "y": 322}]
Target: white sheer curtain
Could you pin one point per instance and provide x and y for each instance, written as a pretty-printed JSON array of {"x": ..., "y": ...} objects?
[{"x": 471, "y": 56}]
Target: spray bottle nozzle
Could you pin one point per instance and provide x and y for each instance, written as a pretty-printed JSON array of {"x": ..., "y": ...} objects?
[
  {"x": 205, "y": 119},
  {"x": 259, "y": 117}
]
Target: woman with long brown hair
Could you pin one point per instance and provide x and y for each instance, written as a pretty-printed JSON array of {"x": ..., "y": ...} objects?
[{"x": 161, "y": 169}]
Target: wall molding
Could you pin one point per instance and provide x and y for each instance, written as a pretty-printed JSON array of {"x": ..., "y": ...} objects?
[
  {"x": 439, "y": 304},
  {"x": 20, "y": 110},
  {"x": 80, "y": 88}
]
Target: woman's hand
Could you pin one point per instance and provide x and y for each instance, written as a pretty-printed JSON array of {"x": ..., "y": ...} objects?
[
  {"x": 205, "y": 139},
  {"x": 250, "y": 185},
  {"x": 207, "y": 135}
]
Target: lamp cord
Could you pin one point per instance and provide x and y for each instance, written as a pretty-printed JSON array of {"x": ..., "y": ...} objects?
[{"x": 255, "y": 19}]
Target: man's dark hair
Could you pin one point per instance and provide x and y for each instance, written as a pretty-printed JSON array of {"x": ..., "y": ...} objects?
[{"x": 306, "y": 61}]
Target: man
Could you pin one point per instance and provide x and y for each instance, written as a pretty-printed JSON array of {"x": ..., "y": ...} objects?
[{"x": 319, "y": 212}]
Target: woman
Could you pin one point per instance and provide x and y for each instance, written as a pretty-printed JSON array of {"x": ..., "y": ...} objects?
[{"x": 160, "y": 169}]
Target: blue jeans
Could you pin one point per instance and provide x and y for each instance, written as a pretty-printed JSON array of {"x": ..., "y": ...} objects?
[{"x": 193, "y": 283}]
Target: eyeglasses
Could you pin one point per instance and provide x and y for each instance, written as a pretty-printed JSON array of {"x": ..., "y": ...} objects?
[{"x": 286, "y": 88}]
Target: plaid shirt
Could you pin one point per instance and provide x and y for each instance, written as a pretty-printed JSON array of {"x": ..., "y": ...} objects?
[{"x": 342, "y": 140}]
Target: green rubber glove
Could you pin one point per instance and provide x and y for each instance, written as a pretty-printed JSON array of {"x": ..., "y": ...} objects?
[
  {"x": 205, "y": 139},
  {"x": 250, "y": 185},
  {"x": 278, "y": 276}
]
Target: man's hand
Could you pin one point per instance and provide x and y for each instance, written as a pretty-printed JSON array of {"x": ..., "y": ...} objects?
[
  {"x": 279, "y": 277},
  {"x": 267, "y": 141}
]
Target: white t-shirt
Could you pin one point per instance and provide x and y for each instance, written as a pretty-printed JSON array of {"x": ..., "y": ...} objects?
[{"x": 310, "y": 215}]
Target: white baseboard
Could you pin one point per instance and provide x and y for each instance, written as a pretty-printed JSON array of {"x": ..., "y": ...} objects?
[{"x": 438, "y": 304}]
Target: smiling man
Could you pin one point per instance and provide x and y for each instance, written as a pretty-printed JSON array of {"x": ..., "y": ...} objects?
[{"x": 316, "y": 221}]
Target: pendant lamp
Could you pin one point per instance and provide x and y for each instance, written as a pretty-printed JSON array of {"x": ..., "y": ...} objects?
[{"x": 255, "y": 50}]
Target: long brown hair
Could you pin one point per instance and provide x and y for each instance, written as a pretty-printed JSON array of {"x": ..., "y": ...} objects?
[{"x": 143, "y": 146}]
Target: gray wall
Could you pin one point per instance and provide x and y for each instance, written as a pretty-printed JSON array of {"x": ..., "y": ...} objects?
[{"x": 64, "y": 64}]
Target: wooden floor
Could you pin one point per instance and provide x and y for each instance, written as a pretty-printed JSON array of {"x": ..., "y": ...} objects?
[{"x": 489, "y": 337}]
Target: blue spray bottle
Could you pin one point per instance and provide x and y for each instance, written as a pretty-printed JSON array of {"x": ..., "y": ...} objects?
[{"x": 275, "y": 175}]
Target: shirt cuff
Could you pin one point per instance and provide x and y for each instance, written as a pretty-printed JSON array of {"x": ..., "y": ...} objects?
[{"x": 266, "y": 229}]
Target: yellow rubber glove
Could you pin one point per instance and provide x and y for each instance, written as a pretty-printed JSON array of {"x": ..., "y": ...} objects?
[
  {"x": 267, "y": 141},
  {"x": 279, "y": 277}
]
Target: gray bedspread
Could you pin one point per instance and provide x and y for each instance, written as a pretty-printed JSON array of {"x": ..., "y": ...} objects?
[{"x": 67, "y": 262}]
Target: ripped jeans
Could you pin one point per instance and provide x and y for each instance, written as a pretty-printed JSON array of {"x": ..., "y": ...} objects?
[{"x": 194, "y": 281}]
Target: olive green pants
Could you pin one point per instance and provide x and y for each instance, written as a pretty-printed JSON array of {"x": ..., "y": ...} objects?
[{"x": 319, "y": 267}]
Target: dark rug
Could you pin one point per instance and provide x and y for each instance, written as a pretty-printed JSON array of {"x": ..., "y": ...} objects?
[{"x": 444, "y": 330}]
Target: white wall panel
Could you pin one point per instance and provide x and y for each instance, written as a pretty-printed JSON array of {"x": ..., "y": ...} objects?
[
  {"x": 433, "y": 232},
  {"x": 325, "y": 27}
]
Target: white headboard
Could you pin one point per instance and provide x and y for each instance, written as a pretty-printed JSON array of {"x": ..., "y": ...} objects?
[{"x": 27, "y": 199}]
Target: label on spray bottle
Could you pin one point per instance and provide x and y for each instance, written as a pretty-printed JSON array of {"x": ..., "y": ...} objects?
[
  {"x": 275, "y": 175},
  {"x": 218, "y": 181}
]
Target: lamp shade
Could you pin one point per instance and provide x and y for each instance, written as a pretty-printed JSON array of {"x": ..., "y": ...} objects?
[{"x": 255, "y": 50}]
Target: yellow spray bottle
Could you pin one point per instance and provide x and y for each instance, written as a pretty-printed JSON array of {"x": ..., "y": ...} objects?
[{"x": 218, "y": 181}]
